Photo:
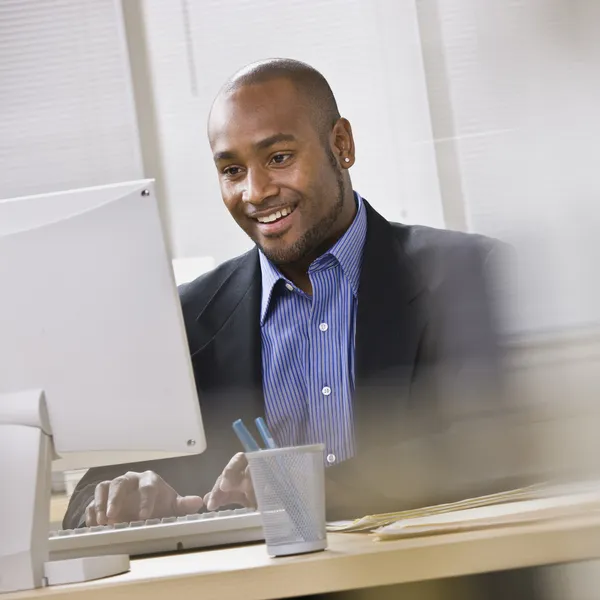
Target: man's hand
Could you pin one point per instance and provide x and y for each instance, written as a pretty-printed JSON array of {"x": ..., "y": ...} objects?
[
  {"x": 233, "y": 486},
  {"x": 137, "y": 497}
]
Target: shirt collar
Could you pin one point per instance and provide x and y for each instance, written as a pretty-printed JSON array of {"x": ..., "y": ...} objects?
[{"x": 347, "y": 250}]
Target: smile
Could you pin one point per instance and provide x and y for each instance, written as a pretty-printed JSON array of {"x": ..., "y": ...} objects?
[{"x": 276, "y": 216}]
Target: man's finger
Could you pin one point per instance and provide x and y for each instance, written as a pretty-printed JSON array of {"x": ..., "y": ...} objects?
[
  {"x": 228, "y": 488},
  {"x": 188, "y": 505},
  {"x": 148, "y": 491},
  {"x": 211, "y": 499},
  {"x": 249, "y": 488},
  {"x": 90, "y": 515},
  {"x": 234, "y": 473},
  {"x": 100, "y": 501},
  {"x": 220, "y": 498},
  {"x": 118, "y": 491}
]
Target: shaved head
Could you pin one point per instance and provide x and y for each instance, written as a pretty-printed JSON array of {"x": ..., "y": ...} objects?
[{"x": 307, "y": 81}]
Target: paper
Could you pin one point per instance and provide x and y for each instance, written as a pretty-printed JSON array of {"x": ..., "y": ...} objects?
[
  {"x": 526, "y": 511},
  {"x": 371, "y": 523}
]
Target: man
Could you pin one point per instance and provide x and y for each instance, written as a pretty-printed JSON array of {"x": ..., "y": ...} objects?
[{"x": 340, "y": 327}]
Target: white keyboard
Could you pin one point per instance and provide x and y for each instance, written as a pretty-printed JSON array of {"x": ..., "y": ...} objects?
[{"x": 156, "y": 536}]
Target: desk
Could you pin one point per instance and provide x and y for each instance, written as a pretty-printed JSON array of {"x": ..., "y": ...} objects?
[{"x": 353, "y": 561}]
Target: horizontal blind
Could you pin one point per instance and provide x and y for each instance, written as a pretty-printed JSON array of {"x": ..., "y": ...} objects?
[{"x": 67, "y": 116}]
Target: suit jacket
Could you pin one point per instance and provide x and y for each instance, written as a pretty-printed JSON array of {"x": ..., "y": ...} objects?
[{"x": 425, "y": 320}]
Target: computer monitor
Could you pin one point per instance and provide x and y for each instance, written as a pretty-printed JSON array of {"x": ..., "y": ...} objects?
[{"x": 94, "y": 361}]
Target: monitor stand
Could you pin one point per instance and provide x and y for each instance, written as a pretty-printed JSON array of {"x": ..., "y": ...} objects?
[{"x": 26, "y": 439}]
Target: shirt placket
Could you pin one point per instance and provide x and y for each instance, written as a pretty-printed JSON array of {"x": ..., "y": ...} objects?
[{"x": 324, "y": 353}]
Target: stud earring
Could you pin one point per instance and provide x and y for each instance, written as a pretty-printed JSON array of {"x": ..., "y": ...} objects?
[{"x": 347, "y": 159}]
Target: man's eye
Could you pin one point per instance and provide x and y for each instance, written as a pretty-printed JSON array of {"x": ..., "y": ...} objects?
[
  {"x": 279, "y": 159},
  {"x": 231, "y": 171}
]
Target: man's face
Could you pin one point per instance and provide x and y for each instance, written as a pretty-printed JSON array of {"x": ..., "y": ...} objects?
[{"x": 279, "y": 178}]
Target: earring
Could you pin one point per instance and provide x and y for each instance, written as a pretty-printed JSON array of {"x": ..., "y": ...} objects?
[{"x": 347, "y": 159}]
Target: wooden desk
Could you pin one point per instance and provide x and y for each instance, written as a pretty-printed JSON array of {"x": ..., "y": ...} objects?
[{"x": 353, "y": 561}]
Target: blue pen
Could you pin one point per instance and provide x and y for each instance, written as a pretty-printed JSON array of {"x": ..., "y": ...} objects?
[
  {"x": 265, "y": 433},
  {"x": 245, "y": 437}
]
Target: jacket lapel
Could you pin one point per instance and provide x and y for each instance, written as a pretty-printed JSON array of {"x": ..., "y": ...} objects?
[{"x": 390, "y": 326}]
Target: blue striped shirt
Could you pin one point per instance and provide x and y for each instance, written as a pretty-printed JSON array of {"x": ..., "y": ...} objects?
[{"x": 308, "y": 347}]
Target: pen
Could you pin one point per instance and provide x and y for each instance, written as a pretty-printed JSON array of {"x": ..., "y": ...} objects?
[
  {"x": 245, "y": 437},
  {"x": 265, "y": 433}
]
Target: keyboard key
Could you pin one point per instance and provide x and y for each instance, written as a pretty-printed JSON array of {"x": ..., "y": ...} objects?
[
  {"x": 97, "y": 528},
  {"x": 64, "y": 532},
  {"x": 121, "y": 525},
  {"x": 137, "y": 523},
  {"x": 81, "y": 530},
  {"x": 168, "y": 520},
  {"x": 192, "y": 517},
  {"x": 153, "y": 522}
]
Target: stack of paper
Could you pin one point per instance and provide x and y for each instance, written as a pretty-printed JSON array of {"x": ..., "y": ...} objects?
[
  {"x": 371, "y": 523},
  {"x": 513, "y": 513}
]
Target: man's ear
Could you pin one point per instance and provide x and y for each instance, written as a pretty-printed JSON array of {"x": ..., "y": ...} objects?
[{"x": 343, "y": 143}]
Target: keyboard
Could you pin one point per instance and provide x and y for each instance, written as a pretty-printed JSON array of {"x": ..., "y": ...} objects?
[{"x": 156, "y": 536}]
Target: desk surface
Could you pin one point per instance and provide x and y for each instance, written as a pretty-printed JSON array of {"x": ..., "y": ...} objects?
[{"x": 353, "y": 561}]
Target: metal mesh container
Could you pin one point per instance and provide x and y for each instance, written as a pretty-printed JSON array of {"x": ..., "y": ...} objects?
[{"x": 289, "y": 484}]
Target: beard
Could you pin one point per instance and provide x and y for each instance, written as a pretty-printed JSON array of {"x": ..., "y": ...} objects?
[{"x": 314, "y": 239}]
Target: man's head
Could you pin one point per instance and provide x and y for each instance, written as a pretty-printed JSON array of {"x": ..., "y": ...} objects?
[{"x": 282, "y": 153}]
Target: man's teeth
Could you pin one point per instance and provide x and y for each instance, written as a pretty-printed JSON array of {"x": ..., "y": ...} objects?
[{"x": 274, "y": 216}]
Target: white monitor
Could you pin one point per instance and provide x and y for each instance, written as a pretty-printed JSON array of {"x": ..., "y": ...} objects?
[{"x": 90, "y": 331}]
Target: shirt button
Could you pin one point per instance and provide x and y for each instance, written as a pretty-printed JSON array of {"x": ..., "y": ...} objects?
[
  {"x": 289, "y": 286},
  {"x": 326, "y": 391},
  {"x": 323, "y": 327},
  {"x": 331, "y": 458}
]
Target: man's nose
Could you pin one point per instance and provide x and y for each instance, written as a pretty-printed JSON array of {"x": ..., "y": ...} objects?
[{"x": 258, "y": 187}]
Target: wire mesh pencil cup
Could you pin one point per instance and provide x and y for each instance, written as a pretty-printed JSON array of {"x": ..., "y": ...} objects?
[{"x": 289, "y": 484}]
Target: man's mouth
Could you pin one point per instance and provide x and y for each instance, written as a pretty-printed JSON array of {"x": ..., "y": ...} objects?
[
  {"x": 276, "y": 223},
  {"x": 276, "y": 215}
]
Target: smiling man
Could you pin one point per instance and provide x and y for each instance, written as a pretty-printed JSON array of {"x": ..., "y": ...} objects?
[{"x": 373, "y": 338}]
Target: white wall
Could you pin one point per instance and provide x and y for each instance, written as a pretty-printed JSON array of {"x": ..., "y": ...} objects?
[
  {"x": 368, "y": 49},
  {"x": 67, "y": 117},
  {"x": 515, "y": 90}
]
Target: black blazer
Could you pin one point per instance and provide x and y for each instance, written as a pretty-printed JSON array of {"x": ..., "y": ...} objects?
[{"x": 424, "y": 315}]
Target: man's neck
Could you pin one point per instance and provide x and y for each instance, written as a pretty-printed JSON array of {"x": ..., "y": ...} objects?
[{"x": 297, "y": 272}]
